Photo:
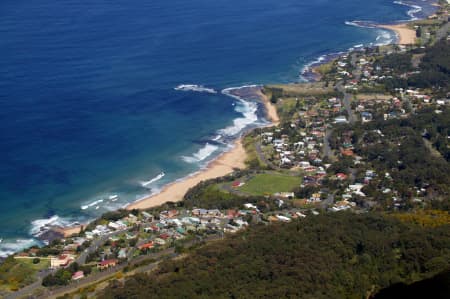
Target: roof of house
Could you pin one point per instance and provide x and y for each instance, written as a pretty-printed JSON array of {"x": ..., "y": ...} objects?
[
  {"x": 108, "y": 262},
  {"x": 78, "y": 275},
  {"x": 146, "y": 245}
]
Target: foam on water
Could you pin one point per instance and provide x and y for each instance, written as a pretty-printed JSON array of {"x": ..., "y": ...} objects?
[
  {"x": 151, "y": 181},
  {"x": 125, "y": 73},
  {"x": 413, "y": 11},
  {"x": 217, "y": 138},
  {"x": 201, "y": 154},
  {"x": 385, "y": 37},
  {"x": 309, "y": 65},
  {"x": 94, "y": 203},
  {"x": 39, "y": 226},
  {"x": 246, "y": 108},
  {"x": 194, "y": 87},
  {"x": 360, "y": 24},
  {"x": 8, "y": 247}
]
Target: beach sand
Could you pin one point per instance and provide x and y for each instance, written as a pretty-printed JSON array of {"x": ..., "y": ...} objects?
[
  {"x": 271, "y": 109},
  {"x": 69, "y": 230},
  {"x": 223, "y": 165},
  {"x": 405, "y": 34}
]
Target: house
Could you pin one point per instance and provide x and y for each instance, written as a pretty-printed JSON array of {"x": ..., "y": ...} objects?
[
  {"x": 122, "y": 253},
  {"x": 164, "y": 236},
  {"x": 61, "y": 261},
  {"x": 283, "y": 218},
  {"x": 288, "y": 195},
  {"x": 168, "y": 214},
  {"x": 340, "y": 120},
  {"x": 107, "y": 264},
  {"x": 250, "y": 206},
  {"x": 341, "y": 176},
  {"x": 232, "y": 214},
  {"x": 78, "y": 275},
  {"x": 190, "y": 220},
  {"x": 237, "y": 184},
  {"x": 148, "y": 217},
  {"x": 160, "y": 241},
  {"x": 366, "y": 117},
  {"x": 118, "y": 225},
  {"x": 146, "y": 246}
]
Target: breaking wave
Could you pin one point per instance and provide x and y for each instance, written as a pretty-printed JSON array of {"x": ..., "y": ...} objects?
[
  {"x": 10, "y": 247},
  {"x": 246, "y": 108},
  {"x": 194, "y": 87},
  {"x": 361, "y": 24},
  {"x": 413, "y": 11},
  {"x": 39, "y": 226},
  {"x": 94, "y": 203},
  {"x": 384, "y": 37},
  {"x": 151, "y": 181},
  {"x": 201, "y": 154}
]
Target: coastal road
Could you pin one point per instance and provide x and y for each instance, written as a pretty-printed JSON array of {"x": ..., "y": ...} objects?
[
  {"x": 96, "y": 243},
  {"x": 29, "y": 289},
  {"x": 442, "y": 32},
  {"x": 347, "y": 103},
  {"x": 328, "y": 202},
  {"x": 110, "y": 273},
  {"x": 327, "y": 151},
  {"x": 262, "y": 157}
]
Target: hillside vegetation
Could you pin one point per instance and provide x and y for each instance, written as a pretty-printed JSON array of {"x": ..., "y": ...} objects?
[{"x": 338, "y": 255}]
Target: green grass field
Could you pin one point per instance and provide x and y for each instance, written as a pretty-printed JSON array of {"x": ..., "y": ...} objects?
[
  {"x": 266, "y": 184},
  {"x": 43, "y": 263},
  {"x": 16, "y": 273}
]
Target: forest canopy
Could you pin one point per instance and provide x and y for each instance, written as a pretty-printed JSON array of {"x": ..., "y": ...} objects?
[{"x": 339, "y": 255}]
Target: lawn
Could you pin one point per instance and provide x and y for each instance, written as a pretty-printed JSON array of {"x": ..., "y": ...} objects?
[
  {"x": 266, "y": 184},
  {"x": 17, "y": 273},
  {"x": 43, "y": 263}
]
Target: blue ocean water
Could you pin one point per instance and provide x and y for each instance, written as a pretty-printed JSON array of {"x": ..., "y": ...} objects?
[{"x": 87, "y": 100}]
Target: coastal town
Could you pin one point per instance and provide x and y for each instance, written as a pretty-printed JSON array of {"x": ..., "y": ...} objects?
[{"x": 333, "y": 145}]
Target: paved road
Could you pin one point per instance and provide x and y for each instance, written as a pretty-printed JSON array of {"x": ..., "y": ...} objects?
[
  {"x": 443, "y": 31},
  {"x": 347, "y": 103},
  {"x": 328, "y": 202},
  {"x": 262, "y": 157},
  {"x": 327, "y": 151},
  {"x": 169, "y": 252},
  {"x": 29, "y": 289},
  {"x": 96, "y": 243}
]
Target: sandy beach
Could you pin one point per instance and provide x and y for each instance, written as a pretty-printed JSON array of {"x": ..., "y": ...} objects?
[
  {"x": 406, "y": 35},
  {"x": 271, "y": 109},
  {"x": 71, "y": 230},
  {"x": 174, "y": 192},
  {"x": 223, "y": 165}
]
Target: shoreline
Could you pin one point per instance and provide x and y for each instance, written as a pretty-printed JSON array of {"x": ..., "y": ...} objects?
[
  {"x": 405, "y": 35},
  {"x": 174, "y": 192},
  {"x": 271, "y": 109},
  {"x": 226, "y": 162},
  {"x": 234, "y": 158},
  {"x": 222, "y": 165}
]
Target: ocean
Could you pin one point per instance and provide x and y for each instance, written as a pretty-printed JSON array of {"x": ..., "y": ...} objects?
[{"x": 102, "y": 98}]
